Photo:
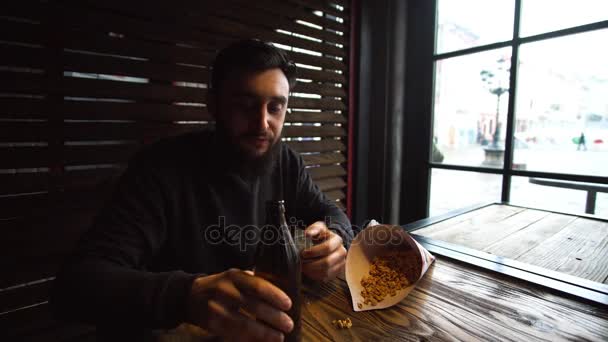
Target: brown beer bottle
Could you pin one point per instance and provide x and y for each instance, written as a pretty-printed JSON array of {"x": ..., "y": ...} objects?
[{"x": 278, "y": 261}]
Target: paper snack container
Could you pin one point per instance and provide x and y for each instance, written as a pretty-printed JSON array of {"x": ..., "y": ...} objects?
[{"x": 379, "y": 240}]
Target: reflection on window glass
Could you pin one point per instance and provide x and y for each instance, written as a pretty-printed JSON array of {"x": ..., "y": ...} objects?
[
  {"x": 562, "y": 105},
  {"x": 451, "y": 190},
  {"x": 467, "y": 23},
  {"x": 556, "y": 197},
  {"x": 540, "y": 16},
  {"x": 471, "y": 96}
]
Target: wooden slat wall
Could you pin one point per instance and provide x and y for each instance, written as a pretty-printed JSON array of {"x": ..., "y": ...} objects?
[{"x": 84, "y": 84}]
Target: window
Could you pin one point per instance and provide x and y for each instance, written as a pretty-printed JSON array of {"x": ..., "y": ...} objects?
[
  {"x": 520, "y": 112},
  {"x": 515, "y": 112}
]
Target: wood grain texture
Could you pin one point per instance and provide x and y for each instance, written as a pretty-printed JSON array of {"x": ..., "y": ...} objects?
[
  {"x": 326, "y": 171},
  {"x": 331, "y": 184},
  {"x": 325, "y": 145},
  {"x": 565, "y": 243},
  {"x": 323, "y": 159},
  {"x": 485, "y": 215},
  {"x": 524, "y": 240},
  {"x": 455, "y": 301},
  {"x": 300, "y": 116},
  {"x": 479, "y": 235},
  {"x": 580, "y": 249}
]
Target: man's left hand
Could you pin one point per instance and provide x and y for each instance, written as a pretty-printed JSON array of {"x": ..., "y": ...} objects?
[{"x": 326, "y": 259}]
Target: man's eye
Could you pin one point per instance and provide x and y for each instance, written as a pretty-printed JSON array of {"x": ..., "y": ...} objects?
[{"x": 275, "y": 108}]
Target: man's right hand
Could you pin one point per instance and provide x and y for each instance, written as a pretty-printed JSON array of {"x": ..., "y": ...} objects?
[{"x": 216, "y": 301}]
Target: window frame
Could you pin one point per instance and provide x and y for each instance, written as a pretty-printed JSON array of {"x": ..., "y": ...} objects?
[{"x": 422, "y": 16}]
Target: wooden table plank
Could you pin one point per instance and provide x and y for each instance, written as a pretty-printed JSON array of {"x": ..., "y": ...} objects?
[
  {"x": 455, "y": 301},
  {"x": 580, "y": 249},
  {"x": 480, "y": 234},
  {"x": 524, "y": 240},
  {"x": 488, "y": 214}
]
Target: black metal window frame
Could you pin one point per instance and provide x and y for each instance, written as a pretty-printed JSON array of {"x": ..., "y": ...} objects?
[
  {"x": 507, "y": 170},
  {"x": 416, "y": 164}
]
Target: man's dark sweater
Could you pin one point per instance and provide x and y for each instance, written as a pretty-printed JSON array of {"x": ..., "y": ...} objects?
[{"x": 163, "y": 226}]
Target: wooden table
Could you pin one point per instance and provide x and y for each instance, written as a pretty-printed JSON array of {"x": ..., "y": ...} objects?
[
  {"x": 569, "y": 244},
  {"x": 457, "y": 301}
]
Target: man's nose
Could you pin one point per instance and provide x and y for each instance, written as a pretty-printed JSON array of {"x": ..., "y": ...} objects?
[{"x": 260, "y": 120}]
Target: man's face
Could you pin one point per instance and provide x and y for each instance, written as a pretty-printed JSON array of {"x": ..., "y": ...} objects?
[{"x": 251, "y": 110}]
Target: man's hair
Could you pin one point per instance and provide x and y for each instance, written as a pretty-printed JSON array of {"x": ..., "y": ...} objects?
[{"x": 250, "y": 55}]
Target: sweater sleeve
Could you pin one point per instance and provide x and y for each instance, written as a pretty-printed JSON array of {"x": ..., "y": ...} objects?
[
  {"x": 313, "y": 205},
  {"x": 105, "y": 282}
]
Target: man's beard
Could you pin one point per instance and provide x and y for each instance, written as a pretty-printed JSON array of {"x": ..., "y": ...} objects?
[{"x": 242, "y": 161}]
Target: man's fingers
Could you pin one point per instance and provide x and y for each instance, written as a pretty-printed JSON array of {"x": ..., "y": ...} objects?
[
  {"x": 324, "y": 248},
  {"x": 316, "y": 230},
  {"x": 229, "y": 323},
  {"x": 261, "y": 288},
  {"x": 275, "y": 318},
  {"x": 325, "y": 268},
  {"x": 326, "y": 262}
]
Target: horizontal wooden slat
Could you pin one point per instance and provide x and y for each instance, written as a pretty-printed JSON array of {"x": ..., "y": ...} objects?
[
  {"x": 38, "y": 324},
  {"x": 259, "y": 17},
  {"x": 30, "y": 204},
  {"x": 320, "y": 75},
  {"x": 321, "y": 5},
  {"x": 22, "y": 108},
  {"x": 196, "y": 8},
  {"x": 326, "y": 171},
  {"x": 24, "y": 157},
  {"x": 36, "y": 57},
  {"x": 130, "y": 67},
  {"x": 26, "y": 295},
  {"x": 18, "y": 82},
  {"x": 130, "y": 47},
  {"x": 83, "y": 131},
  {"x": 323, "y": 159},
  {"x": 183, "y": 30},
  {"x": 24, "y": 182},
  {"x": 95, "y": 110},
  {"x": 37, "y": 157},
  {"x": 331, "y": 184},
  {"x": 18, "y": 323},
  {"x": 31, "y": 182},
  {"x": 313, "y": 131},
  {"x": 335, "y": 195},
  {"x": 296, "y": 102},
  {"x": 56, "y": 234},
  {"x": 297, "y": 12},
  {"x": 325, "y": 117},
  {"x": 325, "y": 62},
  {"x": 239, "y": 30},
  {"x": 99, "y": 154},
  {"x": 74, "y": 180},
  {"x": 325, "y": 145},
  {"x": 319, "y": 88},
  {"x": 96, "y": 19}
]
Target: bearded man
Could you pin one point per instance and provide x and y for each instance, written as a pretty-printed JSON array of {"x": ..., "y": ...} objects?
[{"x": 172, "y": 245}]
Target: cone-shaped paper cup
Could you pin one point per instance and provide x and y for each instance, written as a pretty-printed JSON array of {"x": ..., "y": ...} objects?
[{"x": 377, "y": 241}]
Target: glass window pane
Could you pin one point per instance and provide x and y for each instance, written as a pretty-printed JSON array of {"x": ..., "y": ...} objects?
[
  {"x": 471, "y": 93},
  {"x": 525, "y": 193},
  {"x": 467, "y": 23},
  {"x": 452, "y": 190},
  {"x": 540, "y": 16},
  {"x": 562, "y": 106}
]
